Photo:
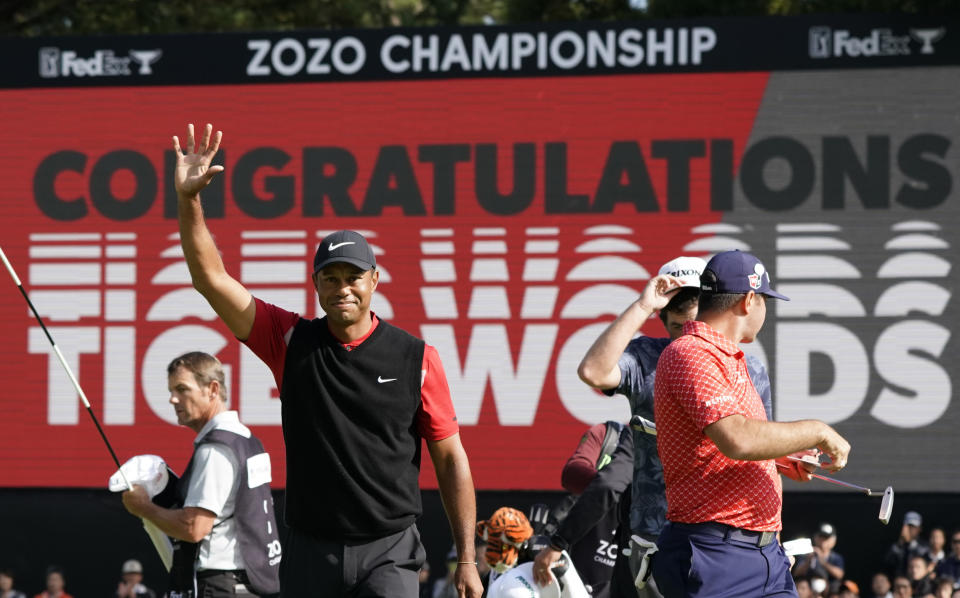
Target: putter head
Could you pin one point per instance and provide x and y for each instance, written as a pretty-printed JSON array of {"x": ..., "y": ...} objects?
[{"x": 886, "y": 505}]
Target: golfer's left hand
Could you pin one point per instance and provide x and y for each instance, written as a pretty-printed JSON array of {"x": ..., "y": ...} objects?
[
  {"x": 467, "y": 581},
  {"x": 796, "y": 470}
]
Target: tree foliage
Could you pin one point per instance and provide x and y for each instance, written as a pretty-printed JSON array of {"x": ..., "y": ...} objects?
[{"x": 86, "y": 17}]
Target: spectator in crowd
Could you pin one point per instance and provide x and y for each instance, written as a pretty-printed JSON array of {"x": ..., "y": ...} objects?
[
  {"x": 902, "y": 588},
  {"x": 950, "y": 566},
  {"x": 55, "y": 584},
  {"x": 819, "y": 584},
  {"x": 937, "y": 546},
  {"x": 426, "y": 584},
  {"x": 880, "y": 585},
  {"x": 6, "y": 585},
  {"x": 849, "y": 589},
  {"x": 943, "y": 588},
  {"x": 907, "y": 545},
  {"x": 131, "y": 581},
  {"x": 803, "y": 587},
  {"x": 920, "y": 575},
  {"x": 823, "y": 558}
]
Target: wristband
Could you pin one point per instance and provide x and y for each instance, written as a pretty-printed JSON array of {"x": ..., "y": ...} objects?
[{"x": 466, "y": 562}]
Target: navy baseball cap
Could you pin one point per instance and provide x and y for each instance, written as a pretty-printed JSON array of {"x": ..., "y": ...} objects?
[
  {"x": 344, "y": 246},
  {"x": 737, "y": 272}
]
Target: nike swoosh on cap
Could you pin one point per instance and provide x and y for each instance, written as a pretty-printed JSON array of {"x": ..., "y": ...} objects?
[{"x": 333, "y": 246}]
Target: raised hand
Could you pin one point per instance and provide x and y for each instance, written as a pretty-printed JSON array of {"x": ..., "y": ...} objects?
[
  {"x": 658, "y": 292},
  {"x": 193, "y": 171}
]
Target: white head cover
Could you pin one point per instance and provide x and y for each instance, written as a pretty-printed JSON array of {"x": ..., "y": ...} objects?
[
  {"x": 149, "y": 471},
  {"x": 687, "y": 269},
  {"x": 518, "y": 583}
]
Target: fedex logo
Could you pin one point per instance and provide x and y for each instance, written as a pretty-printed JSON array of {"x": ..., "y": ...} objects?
[
  {"x": 825, "y": 42},
  {"x": 54, "y": 62}
]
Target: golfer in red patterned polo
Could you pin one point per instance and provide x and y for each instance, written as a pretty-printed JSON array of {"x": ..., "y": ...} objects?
[{"x": 719, "y": 451}]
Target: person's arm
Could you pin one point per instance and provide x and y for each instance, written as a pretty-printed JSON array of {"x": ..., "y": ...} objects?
[
  {"x": 599, "y": 366},
  {"x": 191, "y": 524},
  {"x": 581, "y": 468},
  {"x": 794, "y": 470},
  {"x": 599, "y": 497},
  {"x": 456, "y": 491},
  {"x": 230, "y": 299},
  {"x": 746, "y": 439},
  {"x": 214, "y": 480},
  {"x": 601, "y": 494},
  {"x": 835, "y": 571},
  {"x": 708, "y": 399}
]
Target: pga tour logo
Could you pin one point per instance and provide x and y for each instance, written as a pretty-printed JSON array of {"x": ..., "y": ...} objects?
[
  {"x": 55, "y": 62},
  {"x": 756, "y": 279},
  {"x": 826, "y": 42}
]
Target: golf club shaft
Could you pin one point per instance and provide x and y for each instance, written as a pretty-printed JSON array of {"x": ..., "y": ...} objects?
[
  {"x": 66, "y": 366},
  {"x": 868, "y": 491}
]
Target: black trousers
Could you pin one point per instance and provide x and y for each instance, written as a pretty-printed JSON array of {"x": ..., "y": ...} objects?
[
  {"x": 387, "y": 567},
  {"x": 222, "y": 584}
]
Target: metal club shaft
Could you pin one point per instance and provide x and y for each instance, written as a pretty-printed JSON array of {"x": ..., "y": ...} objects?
[{"x": 66, "y": 366}]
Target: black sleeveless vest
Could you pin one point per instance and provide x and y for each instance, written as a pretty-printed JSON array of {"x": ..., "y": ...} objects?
[
  {"x": 349, "y": 424},
  {"x": 257, "y": 534}
]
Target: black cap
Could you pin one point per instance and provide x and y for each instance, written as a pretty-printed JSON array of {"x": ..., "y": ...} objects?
[{"x": 344, "y": 246}]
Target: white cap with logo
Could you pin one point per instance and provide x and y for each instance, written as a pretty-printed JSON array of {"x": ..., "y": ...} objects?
[{"x": 687, "y": 269}]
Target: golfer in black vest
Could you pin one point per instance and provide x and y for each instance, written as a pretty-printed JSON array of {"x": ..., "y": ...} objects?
[
  {"x": 358, "y": 395},
  {"x": 222, "y": 525}
]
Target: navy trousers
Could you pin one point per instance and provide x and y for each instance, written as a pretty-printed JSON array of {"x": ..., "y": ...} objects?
[{"x": 689, "y": 564}]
